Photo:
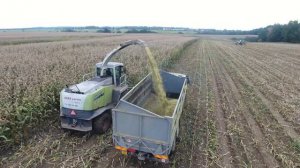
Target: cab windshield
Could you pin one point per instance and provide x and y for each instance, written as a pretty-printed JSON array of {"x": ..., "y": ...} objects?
[{"x": 106, "y": 72}]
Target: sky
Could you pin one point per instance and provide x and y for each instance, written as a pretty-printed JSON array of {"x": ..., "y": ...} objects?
[{"x": 217, "y": 14}]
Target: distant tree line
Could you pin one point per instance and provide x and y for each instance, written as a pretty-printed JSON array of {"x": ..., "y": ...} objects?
[
  {"x": 68, "y": 30},
  {"x": 139, "y": 31},
  {"x": 104, "y": 30},
  {"x": 279, "y": 33},
  {"x": 274, "y": 33},
  {"x": 222, "y": 32}
]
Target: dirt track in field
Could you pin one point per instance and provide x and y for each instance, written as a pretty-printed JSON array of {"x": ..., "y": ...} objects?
[
  {"x": 242, "y": 123},
  {"x": 241, "y": 110}
]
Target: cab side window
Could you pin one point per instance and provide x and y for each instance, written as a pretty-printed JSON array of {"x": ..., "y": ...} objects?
[
  {"x": 122, "y": 69},
  {"x": 109, "y": 72},
  {"x": 118, "y": 74}
]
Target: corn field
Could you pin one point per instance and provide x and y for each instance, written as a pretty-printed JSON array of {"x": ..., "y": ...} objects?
[{"x": 242, "y": 107}]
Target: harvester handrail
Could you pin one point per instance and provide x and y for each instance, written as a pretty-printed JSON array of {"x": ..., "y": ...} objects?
[
  {"x": 123, "y": 80},
  {"x": 83, "y": 77}
]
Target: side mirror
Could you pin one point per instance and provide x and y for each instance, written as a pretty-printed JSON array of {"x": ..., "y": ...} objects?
[{"x": 124, "y": 70}]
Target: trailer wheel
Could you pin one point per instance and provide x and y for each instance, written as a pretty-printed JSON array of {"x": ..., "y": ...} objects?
[{"x": 102, "y": 123}]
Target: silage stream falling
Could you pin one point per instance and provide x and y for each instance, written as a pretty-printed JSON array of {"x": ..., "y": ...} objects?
[{"x": 159, "y": 104}]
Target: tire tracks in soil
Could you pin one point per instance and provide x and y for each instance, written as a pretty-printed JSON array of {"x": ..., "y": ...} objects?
[
  {"x": 273, "y": 135},
  {"x": 290, "y": 57},
  {"x": 245, "y": 152},
  {"x": 261, "y": 67},
  {"x": 267, "y": 157},
  {"x": 273, "y": 92},
  {"x": 270, "y": 66},
  {"x": 194, "y": 160},
  {"x": 223, "y": 141},
  {"x": 288, "y": 127},
  {"x": 190, "y": 151}
]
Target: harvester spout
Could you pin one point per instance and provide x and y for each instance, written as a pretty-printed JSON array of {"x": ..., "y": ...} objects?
[{"x": 120, "y": 47}]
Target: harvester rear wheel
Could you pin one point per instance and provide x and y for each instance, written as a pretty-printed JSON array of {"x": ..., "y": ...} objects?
[{"x": 102, "y": 123}]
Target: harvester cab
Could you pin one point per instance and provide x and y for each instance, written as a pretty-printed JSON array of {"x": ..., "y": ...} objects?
[
  {"x": 86, "y": 106},
  {"x": 114, "y": 70}
]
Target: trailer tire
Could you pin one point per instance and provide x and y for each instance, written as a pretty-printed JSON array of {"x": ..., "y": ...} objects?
[{"x": 102, "y": 123}]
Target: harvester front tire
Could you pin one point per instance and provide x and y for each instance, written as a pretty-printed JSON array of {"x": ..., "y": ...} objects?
[{"x": 102, "y": 123}]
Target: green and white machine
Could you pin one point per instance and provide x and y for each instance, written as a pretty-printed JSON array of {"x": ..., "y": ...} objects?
[{"x": 87, "y": 106}]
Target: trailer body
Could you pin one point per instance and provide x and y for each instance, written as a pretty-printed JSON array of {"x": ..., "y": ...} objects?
[{"x": 143, "y": 133}]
